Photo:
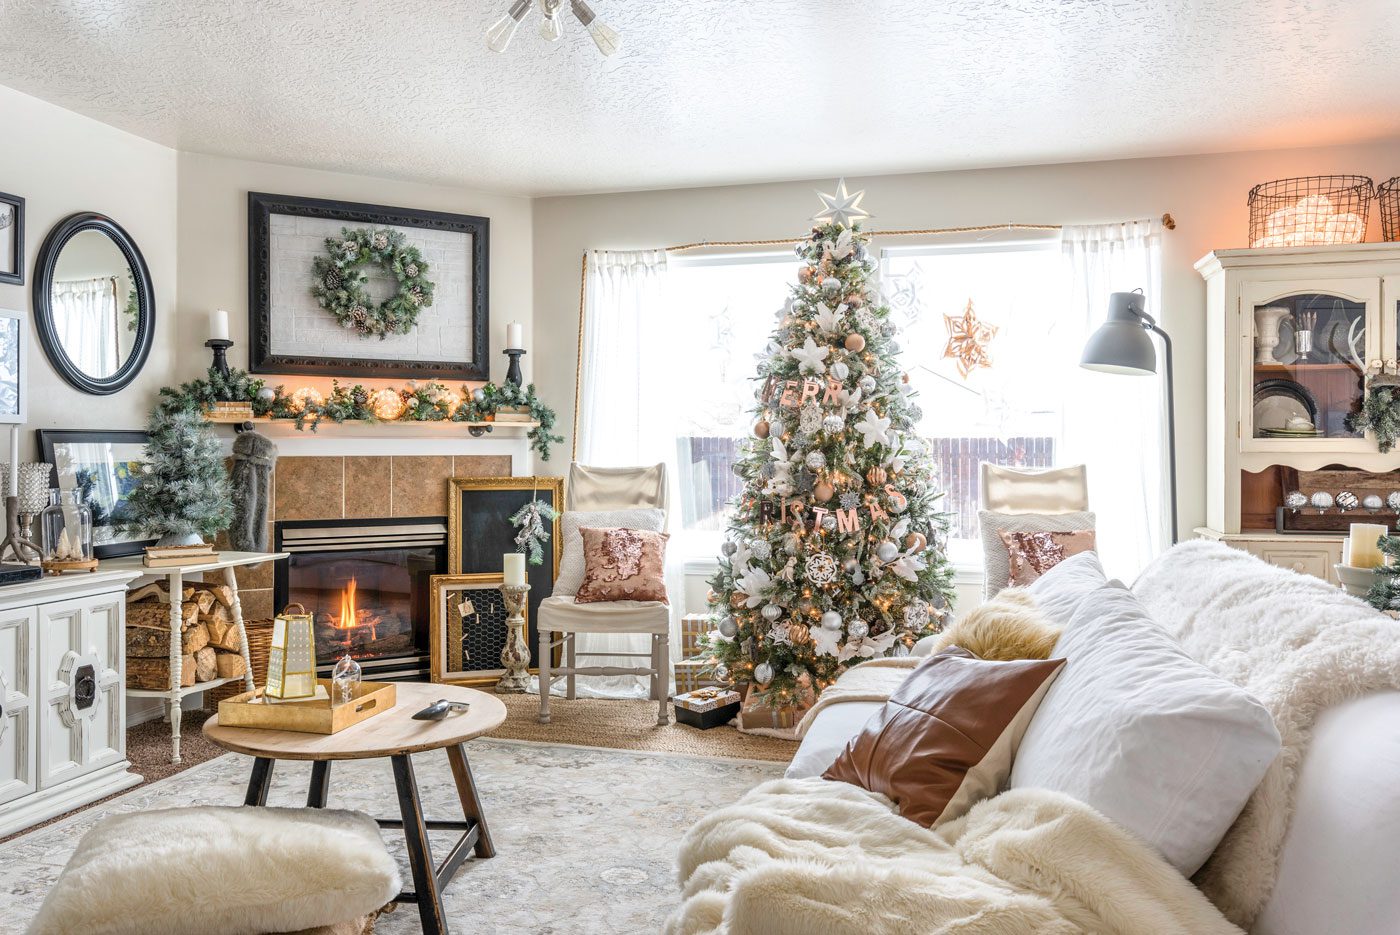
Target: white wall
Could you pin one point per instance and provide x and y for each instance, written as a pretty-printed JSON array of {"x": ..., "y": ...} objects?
[
  {"x": 213, "y": 223},
  {"x": 62, "y": 163},
  {"x": 1205, "y": 194}
]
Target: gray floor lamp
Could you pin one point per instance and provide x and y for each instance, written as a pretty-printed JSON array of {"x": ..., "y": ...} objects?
[{"x": 1121, "y": 345}]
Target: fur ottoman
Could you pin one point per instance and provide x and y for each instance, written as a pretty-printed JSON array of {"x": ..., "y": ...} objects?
[{"x": 223, "y": 871}]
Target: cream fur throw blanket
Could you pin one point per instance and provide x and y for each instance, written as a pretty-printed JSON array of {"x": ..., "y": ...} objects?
[
  {"x": 795, "y": 857},
  {"x": 1297, "y": 644}
]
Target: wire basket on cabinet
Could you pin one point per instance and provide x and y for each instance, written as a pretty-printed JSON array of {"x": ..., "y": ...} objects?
[
  {"x": 1388, "y": 197},
  {"x": 1310, "y": 210}
]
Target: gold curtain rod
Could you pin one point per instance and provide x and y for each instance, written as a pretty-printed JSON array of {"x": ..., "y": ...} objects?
[{"x": 1168, "y": 222}]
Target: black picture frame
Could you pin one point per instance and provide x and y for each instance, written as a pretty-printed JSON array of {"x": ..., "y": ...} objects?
[
  {"x": 12, "y": 272},
  {"x": 44, "y": 268},
  {"x": 261, "y": 359},
  {"x": 50, "y": 443},
  {"x": 479, "y": 533}
]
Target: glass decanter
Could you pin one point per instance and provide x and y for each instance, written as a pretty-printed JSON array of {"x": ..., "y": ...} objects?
[{"x": 345, "y": 679}]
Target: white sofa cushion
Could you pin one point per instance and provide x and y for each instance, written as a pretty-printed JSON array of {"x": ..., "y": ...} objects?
[
  {"x": 220, "y": 870},
  {"x": 830, "y": 731},
  {"x": 1140, "y": 731},
  {"x": 570, "y": 577},
  {"x": 1060, "y": 590}
]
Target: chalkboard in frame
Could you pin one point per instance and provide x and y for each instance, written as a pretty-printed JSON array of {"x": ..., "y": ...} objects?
[{"x": 479, "y": 532}]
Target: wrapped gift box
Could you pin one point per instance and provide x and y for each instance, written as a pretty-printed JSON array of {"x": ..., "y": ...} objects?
[
  {"x": 706, "y": 707},
  {"x": 689, "y": 679},
  {"x": 694, "y": 626},
  {"x": 757, "y": 715}
]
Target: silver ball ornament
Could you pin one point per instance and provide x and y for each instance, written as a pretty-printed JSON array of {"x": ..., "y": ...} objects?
[
  {"x": 478, "y": 395},
  {"x": 830, "y": 283},
  {"x": 1322, "y": 500},
  {"x": 840, "y": 371},
  {"x": 898, "y": 503},
  {"x": 1393, "y": 501},
  {"x": 1347, "y": 501},
  {"x": 831, "y": 620},
  {"x": 728, "y": 549},
  {"x": 763, "y": 673},
  {"x": 858, "y": 630},
  {"x": 721, "y": 672},
  {"x": 771, "y": 612},
  {"x": 267, "y": 394},
  {"x": 829, "y": 522},
  {"x": 816, "y": 460},
  {"x": 776, "y": 428},
  {"x": 1296, "y": 500},
  {"x": 728, "y": 628},
  {"x": 867, "y": 383},
  {"x": 886, "y": 551},
  {"x": 1372, "y": 502},
  {"x": 833, "y": 423}
]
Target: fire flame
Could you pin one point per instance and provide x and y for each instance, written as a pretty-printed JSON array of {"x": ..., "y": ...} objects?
[{"x": 349, "y": 614}]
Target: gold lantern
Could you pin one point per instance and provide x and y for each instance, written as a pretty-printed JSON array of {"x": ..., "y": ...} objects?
[{"x": 291, "y": 660}]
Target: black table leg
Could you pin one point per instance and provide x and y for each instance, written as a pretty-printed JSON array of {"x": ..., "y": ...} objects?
[
  {"x": 259, "y": 782},
  {"x": 420, "y": 856},
  {"x": 471, "y": 805},
  {"x": 320, "y": 784}
]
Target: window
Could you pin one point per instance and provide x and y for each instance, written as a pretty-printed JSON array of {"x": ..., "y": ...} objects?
[
  {"x": 720, "y": 313},
  {"x": 1008, "y": 413}
]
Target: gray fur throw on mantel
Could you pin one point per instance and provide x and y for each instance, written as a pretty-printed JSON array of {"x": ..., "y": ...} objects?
[{"x": 254, "y": 457}]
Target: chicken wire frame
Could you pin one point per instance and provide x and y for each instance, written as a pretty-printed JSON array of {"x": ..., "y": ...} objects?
[
  {"x": 444, "y": 631},
  {"x": 1388, "y": 200},
  {"x": 1345, "y": 194}
]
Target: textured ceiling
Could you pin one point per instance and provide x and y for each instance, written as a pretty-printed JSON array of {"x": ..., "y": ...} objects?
[{"x": 711, "y": 91}]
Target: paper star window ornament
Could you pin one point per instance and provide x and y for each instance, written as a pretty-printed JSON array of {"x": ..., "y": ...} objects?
[
  {"x": 967, "y": 340},
  {"x": 841, "y": 208}
]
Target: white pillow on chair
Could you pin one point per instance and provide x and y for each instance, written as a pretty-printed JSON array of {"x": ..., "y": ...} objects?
[{"x": 570, "y": 577}]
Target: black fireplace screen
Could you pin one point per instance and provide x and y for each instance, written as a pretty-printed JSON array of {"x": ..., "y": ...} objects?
[{"x": 371, "y": 603}]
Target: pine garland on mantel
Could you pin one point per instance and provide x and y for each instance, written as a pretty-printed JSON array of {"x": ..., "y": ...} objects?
[{"x": 416, "y": 402}]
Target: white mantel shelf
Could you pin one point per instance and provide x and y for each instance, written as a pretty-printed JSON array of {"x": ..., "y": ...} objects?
[{"x": 332, "y": 439}]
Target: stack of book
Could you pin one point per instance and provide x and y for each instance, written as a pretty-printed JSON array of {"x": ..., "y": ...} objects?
[
  {"x": 167, "y": 556},
  {"x": 514, "y": 414}
]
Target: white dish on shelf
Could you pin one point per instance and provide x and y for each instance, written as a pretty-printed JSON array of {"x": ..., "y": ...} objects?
[{"x": 1277, "y": 411}]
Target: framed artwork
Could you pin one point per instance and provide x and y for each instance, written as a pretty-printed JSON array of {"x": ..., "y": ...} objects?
[
  {"x": 11, "y": 239},
  {"x": 13, "y": 362},
  {"x": 479, "y": 532},
  {"x": 468, "y": 628},
  {"x": 344, "y": 289},
  {"x": 104, "y": 466}
]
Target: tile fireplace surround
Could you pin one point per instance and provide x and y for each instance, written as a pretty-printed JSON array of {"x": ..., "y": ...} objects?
[{"x": 353, "y": 486}]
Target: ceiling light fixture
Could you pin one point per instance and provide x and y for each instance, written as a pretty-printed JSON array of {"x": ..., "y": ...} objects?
[{"x": 551, "y": 26}]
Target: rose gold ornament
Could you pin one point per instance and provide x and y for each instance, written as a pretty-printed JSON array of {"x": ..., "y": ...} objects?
[
  {"x": 737, "y": 599},
  {"x": 805, "y": 274},
  {"x": 761, "y": 428},
  {"x": 876, "y": 476},
  {"x": 823, "y": 491},
  {"x": 915, "y": 542},
  {"x": 798, "y": 632},
  {"x": 855, "y": 343},
  {"x": 855, "y": 300}
]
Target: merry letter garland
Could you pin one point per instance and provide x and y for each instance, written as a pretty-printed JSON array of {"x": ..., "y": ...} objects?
[
  {"x": 422, "y": 402},
  {"x": 340, "y": 284}
]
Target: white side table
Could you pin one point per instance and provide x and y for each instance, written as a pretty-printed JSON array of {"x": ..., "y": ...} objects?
[{"x": 175, "y": 577}]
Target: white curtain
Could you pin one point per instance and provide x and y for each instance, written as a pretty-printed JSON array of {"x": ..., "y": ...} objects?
[
  {"x": 622, "y": 422},
  {"x": 85, "y": 315},
  {"x": 1117, "y": 424}
]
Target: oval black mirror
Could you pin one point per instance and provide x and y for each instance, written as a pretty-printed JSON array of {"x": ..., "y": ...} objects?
[{"x": 94, "y": 306}]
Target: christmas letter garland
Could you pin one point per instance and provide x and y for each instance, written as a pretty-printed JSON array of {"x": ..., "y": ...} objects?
[{"x": 340, "y": 284}]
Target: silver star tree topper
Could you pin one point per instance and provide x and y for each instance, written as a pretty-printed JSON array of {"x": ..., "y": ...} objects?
[{"x": 841, "y": 208}]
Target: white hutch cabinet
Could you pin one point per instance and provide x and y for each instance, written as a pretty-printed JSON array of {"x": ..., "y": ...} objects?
[
  {"x": 62, "y": 698},
  {"x": 1337, "y": 309}
]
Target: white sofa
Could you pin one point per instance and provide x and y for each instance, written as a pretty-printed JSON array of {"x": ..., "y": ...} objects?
[{"x": 1336, "y": 870}]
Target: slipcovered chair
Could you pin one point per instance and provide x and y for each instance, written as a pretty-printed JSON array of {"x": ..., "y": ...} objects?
[
  {"x": 1027, "y": 500},
  {"x": 592, "y": 489}
]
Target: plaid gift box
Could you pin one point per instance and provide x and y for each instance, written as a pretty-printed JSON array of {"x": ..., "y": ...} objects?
[
  {"x": 694, "y": 626},
  {"x": 688, "y": 678}
]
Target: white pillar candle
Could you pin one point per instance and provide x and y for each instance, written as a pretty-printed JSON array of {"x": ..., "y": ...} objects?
[
  {"x": 1364, "y": 552},
  {"x": 14, "y": 460},
  {"x": 514, "y": 568},
  {"x": 218, "y": 325},
  {"x": 515, "y": 336}
]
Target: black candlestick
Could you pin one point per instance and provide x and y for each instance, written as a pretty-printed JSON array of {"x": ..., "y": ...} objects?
[
  {"x": 513, "y": 374},
  {"x": 220, "y": 346}
]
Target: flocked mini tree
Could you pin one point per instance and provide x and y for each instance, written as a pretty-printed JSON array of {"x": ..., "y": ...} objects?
[
  {"x": 182, "y": 493},
  {"x": 835, "y": 553}
]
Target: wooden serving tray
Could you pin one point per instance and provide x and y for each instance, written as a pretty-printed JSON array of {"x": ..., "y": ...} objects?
[{"x": 307, "y": 717}]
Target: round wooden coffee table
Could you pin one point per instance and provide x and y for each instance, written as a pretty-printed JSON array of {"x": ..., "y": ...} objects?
[{"x": 393, "y": 734}]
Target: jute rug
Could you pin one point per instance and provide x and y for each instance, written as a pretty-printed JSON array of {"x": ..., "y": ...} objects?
[{"x": 585, "y": 838}]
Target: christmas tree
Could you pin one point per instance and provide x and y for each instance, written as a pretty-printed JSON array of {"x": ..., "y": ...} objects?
[
  {"x": 835, "y": 553},
  {"x": 182, "y": 492},
  {"x": 1385, "y": 592}
]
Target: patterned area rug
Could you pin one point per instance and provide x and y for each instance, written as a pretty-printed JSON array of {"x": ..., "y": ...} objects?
[{"x": 585, "y": 838}]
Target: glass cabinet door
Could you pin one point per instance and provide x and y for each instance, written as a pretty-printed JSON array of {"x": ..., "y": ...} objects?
[
  {"x": 1389, "y": 353},
  {"x": 1309, "y": 343}
]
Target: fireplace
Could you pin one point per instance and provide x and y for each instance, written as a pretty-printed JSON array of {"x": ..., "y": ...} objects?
[{"x": 366, "y": 585}]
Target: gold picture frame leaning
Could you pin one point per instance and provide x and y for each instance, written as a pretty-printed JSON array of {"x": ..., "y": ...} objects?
[{"x": 458, "y": 604}]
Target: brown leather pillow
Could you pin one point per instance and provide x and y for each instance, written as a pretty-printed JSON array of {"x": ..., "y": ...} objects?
[
  {"x": 622, "y": 565},
  {"x": 945, "y": 739}
]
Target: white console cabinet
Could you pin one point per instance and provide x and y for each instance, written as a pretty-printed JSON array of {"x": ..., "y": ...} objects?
[{"x": 62, "y": 704}]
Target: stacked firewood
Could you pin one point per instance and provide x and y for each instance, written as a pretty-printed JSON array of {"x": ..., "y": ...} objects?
[{"x": 209, "y": 640}]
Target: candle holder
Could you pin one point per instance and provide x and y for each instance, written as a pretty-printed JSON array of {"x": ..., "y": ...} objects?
[
  {"x": 513, "y": 374},
  {"x": 515, "y": 656},
  {"x": 14, "y": 541},
  {"x": 220, "y": 348}
]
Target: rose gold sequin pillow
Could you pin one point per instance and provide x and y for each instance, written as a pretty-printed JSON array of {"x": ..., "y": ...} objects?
[
  {"x": 623, "y": 565},
  {"x": 1032, "y": 554}
]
